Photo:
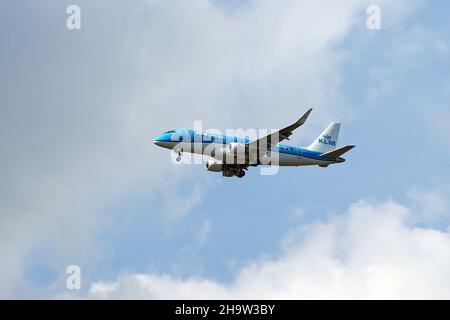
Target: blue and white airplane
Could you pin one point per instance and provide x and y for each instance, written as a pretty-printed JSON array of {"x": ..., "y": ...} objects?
[{"x": 233, "y": 155}]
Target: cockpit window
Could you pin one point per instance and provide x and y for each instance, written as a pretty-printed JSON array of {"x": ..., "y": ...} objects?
[{"x": 171, "y": 131}]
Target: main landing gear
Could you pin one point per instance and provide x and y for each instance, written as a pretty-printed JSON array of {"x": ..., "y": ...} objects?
[
  {"x": 231, "y": 171},
  {"x": 241, "y": 174}
]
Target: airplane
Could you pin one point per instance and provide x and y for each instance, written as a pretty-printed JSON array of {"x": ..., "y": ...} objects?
[{"x": 233, "y": 155}]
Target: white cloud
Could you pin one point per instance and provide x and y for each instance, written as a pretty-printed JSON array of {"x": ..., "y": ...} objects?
[
  {"x": 78, "y": 115},
  {"x": 431, "y": 205},
  {"x": 369, "y": 252}
]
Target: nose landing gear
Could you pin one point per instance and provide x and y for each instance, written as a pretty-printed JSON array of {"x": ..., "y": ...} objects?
[{"x": 179, "y": 153}]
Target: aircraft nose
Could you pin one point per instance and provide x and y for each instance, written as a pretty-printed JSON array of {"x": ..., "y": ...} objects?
[{"x": 157, "y": 142}]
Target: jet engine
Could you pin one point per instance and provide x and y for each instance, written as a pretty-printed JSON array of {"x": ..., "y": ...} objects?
[
  {"x": 236, "y": 148},
  {"x": 214, "y": 165},
  {"x": 229, "y": 153}
]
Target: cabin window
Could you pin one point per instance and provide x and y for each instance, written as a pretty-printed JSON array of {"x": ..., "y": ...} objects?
[{"x": 206, "y": 138}]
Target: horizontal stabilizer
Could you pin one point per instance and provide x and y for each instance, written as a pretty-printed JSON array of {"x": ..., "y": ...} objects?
[{"x": 337, "y": 152}]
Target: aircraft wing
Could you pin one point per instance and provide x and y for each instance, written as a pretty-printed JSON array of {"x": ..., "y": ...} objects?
[{"x": 279, "y": 135}]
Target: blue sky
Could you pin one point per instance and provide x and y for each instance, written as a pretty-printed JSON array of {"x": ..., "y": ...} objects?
[{"x": 85, "y": 185}]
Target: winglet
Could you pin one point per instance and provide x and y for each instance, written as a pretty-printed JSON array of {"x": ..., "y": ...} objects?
[
  {"x": 337, "y": 152},
  {"x": 304, "y": 117}
]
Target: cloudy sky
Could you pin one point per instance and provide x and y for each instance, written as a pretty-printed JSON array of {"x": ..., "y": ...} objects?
[{"x": 82, "y": 183}]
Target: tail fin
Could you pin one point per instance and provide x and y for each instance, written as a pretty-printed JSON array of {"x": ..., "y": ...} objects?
[{"x": 327, "y": 140}]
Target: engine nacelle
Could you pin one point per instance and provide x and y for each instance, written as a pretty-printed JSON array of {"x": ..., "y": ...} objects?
[
  {"x": 236, "y": 149},
  {"x": 232, "y": 153},
  {"x": 214, "y": 165}
]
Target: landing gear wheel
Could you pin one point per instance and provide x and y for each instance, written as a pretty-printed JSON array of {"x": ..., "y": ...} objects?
[{"x": 241, "y": 174}]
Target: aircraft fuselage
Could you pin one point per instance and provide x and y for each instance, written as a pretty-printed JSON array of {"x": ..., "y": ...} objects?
[{"x": 202, "y": 143}]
